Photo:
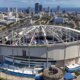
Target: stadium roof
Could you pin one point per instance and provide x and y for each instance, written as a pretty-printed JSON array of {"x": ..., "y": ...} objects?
[{"x": 44, "y": 34}]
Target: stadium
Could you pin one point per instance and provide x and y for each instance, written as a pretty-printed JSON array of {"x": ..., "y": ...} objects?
[{"x": 40, "y": 45}]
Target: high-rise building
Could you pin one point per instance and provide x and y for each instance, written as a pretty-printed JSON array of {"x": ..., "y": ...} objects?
[
  {"x": 36, "y": 7},
  {"x": 58, "y": 8},
  {"x": 40, "y": 8},
  {"x": 48, "y": 9}
]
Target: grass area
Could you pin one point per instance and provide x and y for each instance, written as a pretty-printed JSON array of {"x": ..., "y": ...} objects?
[
  {"x": 77, "y": 73},
  {"x": 2, "y": 78},
  {"x": 2, "y": 28}
]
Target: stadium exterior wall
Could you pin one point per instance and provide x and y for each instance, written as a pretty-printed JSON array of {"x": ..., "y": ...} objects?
[{"x": 56, "y": 52}]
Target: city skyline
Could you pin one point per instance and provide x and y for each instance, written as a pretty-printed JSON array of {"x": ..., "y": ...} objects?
[{"x": 45, "y": 3}]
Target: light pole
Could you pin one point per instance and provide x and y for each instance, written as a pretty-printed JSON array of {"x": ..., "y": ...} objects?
[
  {"x": 64, "y": 55},
  {"x": 46, "y": 56},
  {"x": 29, "y": 55}
]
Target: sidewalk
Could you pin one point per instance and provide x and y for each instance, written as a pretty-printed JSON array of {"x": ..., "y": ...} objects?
[
  {"x": 78, "y": 78},
  {"x": 10, "y": 77}
]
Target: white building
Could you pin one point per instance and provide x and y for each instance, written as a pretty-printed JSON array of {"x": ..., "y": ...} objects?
[{"x": 56, "y": 43}]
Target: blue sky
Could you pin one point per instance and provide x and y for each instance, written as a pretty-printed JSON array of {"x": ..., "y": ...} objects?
[{"x": 51, "y": 3}]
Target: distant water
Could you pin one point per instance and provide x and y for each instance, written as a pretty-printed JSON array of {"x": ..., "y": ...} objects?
[
  {"x": 3, "y": 9},
  {"x": 6, "y": 9},
  {"x": 68, "y": 9},
  {"x": 53, "y": 9},
  {"x": 71, "y": 9}
]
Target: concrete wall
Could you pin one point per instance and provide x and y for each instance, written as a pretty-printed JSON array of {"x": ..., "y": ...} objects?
[{"x": 56, "y": 52}]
